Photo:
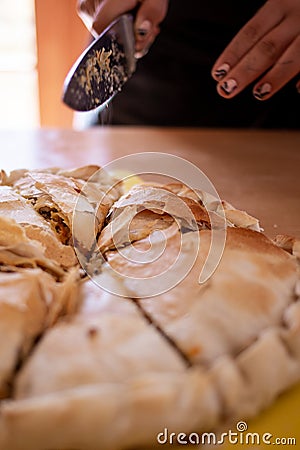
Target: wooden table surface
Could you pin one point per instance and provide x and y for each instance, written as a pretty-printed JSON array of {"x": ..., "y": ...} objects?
[{"x": 258, "y": 171}]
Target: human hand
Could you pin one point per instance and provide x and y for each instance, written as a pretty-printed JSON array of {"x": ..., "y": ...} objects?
[
  {"x": 268, "y": 46},
  {"x": 98, "y": 14}
]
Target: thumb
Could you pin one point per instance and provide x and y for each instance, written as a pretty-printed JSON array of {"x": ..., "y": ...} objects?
[{"x": 149, "y": 15}]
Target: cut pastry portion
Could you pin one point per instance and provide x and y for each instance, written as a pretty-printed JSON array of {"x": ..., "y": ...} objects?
[
  {"x": 14, "y": 206},
  {"x": 18, "y": 251},
  {"x": 34, "y": 292},
  {"x": 146, "y": 208},
  {"x": 289, "y": 243},
  {"x": 112, "y": 416},
  {"x": 251, "y": 288},
  {"x": 235, "y": 325},
  {"x": 108, "y": 341},
  {"x": 234, "y": 217},
  {"x": 255, "y": 378},
  {"x": 258, "y": 375},
  {"x": 44, "y": 203},
  {"x": 22, "y": 317},
  {"x": 29, "y": 300}
]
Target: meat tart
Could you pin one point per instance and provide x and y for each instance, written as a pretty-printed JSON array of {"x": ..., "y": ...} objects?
[{"x": 118, "y": 370}]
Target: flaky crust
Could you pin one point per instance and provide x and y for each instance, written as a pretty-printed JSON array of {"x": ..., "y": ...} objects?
[
  {"x": 253, "y": 285},
  {"x": 114, "y": 372},
  {"x": 146, "y": 208},
  {"x": 43, "y": 203},
  {"x": 30, "y": 300},
  {"x": 113, "y": 416},
  {"x": 101, "y": 328},
  {"x": 39, "y": 272}
]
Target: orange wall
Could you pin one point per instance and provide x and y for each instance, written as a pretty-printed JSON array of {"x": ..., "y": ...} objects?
[{"x": 61, "y": 36}]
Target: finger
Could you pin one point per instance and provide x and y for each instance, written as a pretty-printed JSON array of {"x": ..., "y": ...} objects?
[
  {"x": 142, "y": 46},
  {"x": 86, "y": 11},
  {"x": 150, "y": 14},
  {"x": 86, "y": 7},
  {"x": 257, "y": 61},
  {"x": 265, "y": 20},
  {"x": 109, "y": 10},
  {"x": 285, "y": 69},
  {"x": 298, "y": 86}
]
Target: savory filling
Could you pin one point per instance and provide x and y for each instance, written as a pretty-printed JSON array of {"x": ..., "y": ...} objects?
[{"x": 57, "y": 223}]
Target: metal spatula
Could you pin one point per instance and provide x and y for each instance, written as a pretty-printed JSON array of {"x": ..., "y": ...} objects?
[{"x": 103, "y": 68}]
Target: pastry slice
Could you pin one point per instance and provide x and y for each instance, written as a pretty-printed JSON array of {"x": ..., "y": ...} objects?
[
  {"x": 34, "y": 292},
  {"x": 110, "y": 369},
  {"x": 232, "y": 325},
  {"x": 46, "y": 202},
  {"x": 108, "y": 340},
  {"x": 14, "y": 206},
  {"x": 17, "y": 251},
  {"x": 235, "y": 316},
  {"x": 252, "y": 286},
  {"x": 147, "y": 207},
  {"x": 30, "y": 300},
  {"x": 111, "y": 416}
]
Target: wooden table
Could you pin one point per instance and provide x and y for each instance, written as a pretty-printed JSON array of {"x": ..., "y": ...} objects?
[{"x": 258, "y": 171}]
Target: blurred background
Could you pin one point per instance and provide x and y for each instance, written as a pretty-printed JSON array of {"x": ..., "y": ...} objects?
[{"x": 39, "y": 42}]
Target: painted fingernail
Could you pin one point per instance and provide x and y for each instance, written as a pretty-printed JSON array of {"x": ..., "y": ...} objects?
[
  {"x": 144, "y": 28},
  {"x": 262, "y": 91},
  {"x": 228, "y": 86},
  {"x": 222, "y": 71},
  {"x": 140, "y": 53}
]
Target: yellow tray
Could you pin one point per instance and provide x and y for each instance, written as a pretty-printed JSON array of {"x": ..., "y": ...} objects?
[
  {"x": 279, "y": 425},
  {"x": 281, "y": 420}
]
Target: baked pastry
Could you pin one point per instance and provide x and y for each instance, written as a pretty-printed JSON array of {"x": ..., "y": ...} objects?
[
  {"x": 43, "y": 203},
  {"x": 112, "y": 372},
  {"x": 38, "y": 266}
]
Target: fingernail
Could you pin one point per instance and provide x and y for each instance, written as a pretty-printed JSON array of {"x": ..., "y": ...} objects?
[
  {"x": 222, "y": 71},
  {"x": 260, "y": 92},
  {"x": 228, "y": 86},
  {"x": 140, "y": 53},
  {"x": 298, "y": 87},
  {"x": 144, "y": 28}
]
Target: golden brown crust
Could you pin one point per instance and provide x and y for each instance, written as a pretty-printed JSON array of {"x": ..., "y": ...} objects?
[
  {"x": 115, "y": 372},
  {"x": 141, "y": 225},
  {"x": 146, "y": 208},
  {"x": 251, "y": 288},
  {"x": 17, "y": 250},
  {"x": 101, "y": 329},
  {"x": 27, "y": 298},
  {"x": 39, "y": 271},
  {"x": 113, "y": 416},
  {"x": 289, "y": 244}
]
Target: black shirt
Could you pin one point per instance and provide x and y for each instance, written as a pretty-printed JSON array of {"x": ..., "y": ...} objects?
[{"x": 172, "y": 85}]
